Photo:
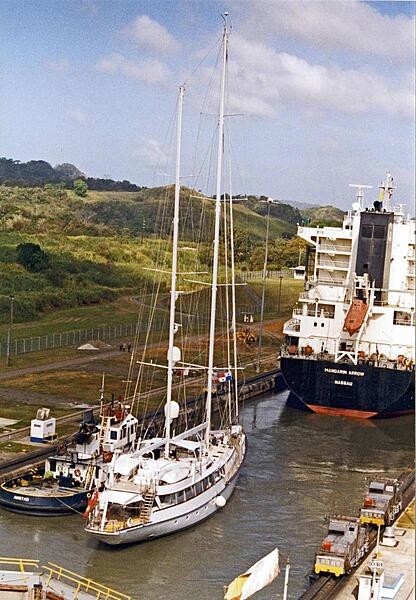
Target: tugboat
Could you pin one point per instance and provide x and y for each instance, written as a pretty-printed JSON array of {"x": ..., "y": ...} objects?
[
  {"x": 65, "y": 483},
  {"x": 349, "y": 346}
]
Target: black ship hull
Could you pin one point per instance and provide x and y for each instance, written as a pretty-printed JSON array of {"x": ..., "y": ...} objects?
[
  {"x": 363, "y": 390},
  {"x": 42, "y": 500}
]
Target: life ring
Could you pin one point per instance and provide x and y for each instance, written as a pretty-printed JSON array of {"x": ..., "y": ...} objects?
[{"x": 77, "y": 472}]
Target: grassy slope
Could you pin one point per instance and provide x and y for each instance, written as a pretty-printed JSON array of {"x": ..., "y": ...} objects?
[{"x": 99, "y": 248}]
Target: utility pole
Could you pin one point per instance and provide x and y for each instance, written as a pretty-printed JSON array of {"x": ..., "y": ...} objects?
[
  {"x": 143, "y": 230},
  {"x": 280, "y": 294},
  {"x": 263, "y": 285},
  {"x": 9, "y": 333}
]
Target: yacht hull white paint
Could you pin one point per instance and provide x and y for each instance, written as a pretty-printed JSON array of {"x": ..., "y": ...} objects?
[{"x": 183, "y": 516}]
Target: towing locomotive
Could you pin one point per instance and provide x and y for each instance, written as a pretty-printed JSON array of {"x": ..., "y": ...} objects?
[
  {"x": 343, "y": 547},
  {"x": 384, "y": 499},
  {"x": 349, "y": 538}
]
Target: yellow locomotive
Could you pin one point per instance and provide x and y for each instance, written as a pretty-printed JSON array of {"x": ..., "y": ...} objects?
[{"x": 343, "y": 547}]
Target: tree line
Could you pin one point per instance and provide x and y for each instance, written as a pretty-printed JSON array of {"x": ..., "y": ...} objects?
[{"x": 39, "y": 172}]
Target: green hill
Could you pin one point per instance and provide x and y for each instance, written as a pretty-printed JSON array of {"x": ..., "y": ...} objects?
[
  {"x": 60, "y": 250},
  {"x": 51, "y": 209},
  {"x": 323, "y": 215}
]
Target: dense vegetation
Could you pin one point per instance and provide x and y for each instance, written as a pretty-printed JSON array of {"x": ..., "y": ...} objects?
[
  {"x": 40, "y": 172},
  {"x": 67, "y": 245}
]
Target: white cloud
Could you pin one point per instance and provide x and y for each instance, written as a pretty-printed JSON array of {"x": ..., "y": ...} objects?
[
  {"x": 351, "y": 25},
  {"x": 78, "y": 116},
  {"x": 150, "y": 35},
  {"x": 148, "y": 70},
  {"x": 266, "y": 79},
  {"x": 60, "y": 65},
  {"x": 150, "y": 152}
]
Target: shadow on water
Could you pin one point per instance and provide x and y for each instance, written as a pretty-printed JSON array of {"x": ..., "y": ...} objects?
[{"x": 299, "y": 468}]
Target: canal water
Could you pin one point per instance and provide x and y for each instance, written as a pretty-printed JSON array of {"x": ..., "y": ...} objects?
[{"x": 299, "y": 468}]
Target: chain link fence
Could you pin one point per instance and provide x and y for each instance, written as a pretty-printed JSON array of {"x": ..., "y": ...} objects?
[
  {"x": 76, "y": 337},
  {"x": 122, "y": 331},
  {"x": 254, "y": 275}
]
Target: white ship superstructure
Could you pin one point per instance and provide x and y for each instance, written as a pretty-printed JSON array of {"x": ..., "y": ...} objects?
[{"x": 358, "y": 303}]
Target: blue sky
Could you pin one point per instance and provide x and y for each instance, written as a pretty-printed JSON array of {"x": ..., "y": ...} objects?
[{"x": 325, "y": 90}]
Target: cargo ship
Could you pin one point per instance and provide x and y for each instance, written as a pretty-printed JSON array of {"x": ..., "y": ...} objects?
[{"x": 349, "y": 345}]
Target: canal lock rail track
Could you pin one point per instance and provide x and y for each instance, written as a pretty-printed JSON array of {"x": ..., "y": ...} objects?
[
  {"x": 19, "y": 464},
  {"x": 327, "y": 586}
]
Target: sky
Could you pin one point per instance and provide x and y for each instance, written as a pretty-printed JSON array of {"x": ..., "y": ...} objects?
[{"x": 322, "y": 92}]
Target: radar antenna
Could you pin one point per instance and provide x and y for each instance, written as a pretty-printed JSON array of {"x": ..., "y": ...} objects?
[{"x": 360, "y": 193}]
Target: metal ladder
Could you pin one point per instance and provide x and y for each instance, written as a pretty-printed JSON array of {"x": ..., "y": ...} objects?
[
  {"x": 89, "y": 476},
  {"x": 105, "y": 425},
  {"x": 147, "y": 505}
]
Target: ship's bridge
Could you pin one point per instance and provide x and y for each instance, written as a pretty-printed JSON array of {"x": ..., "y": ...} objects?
[{"x": 311, "y": 235}]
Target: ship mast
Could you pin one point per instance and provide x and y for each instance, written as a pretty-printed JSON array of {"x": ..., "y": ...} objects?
[
  {"x": 386, "y": 192},
  {"x": 216, "y": 233},
  {"x": 173, "y": 351}
]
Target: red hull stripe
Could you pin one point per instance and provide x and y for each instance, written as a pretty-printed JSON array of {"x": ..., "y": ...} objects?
[{"x": 341, "y": 412}]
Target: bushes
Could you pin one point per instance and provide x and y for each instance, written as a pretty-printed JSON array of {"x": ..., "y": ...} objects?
[{"x": 32, "y": 257}]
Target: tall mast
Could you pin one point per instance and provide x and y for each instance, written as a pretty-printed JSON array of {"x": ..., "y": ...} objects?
[
  {"x": 234, "y": 384},
  {"x": 386, "y": 192},
  {"x": 216, "y": 232},
  {"x": 173, "y": 294}
]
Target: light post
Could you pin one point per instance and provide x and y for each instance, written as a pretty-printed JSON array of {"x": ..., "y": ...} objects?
[
  {"x": 280, "y": 294},
  {"x": 9, "y": 333},
  {"x": 270, "y": 201},
  {"x": 143, "y": 230}
]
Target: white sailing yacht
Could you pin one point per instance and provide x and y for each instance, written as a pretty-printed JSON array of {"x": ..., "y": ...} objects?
[{"x": 173, "y": 482}]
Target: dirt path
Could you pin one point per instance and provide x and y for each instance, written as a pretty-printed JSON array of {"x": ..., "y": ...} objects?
[
  {"x": 39, "y": 399},
  {"x": 56, "y": 366}
]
